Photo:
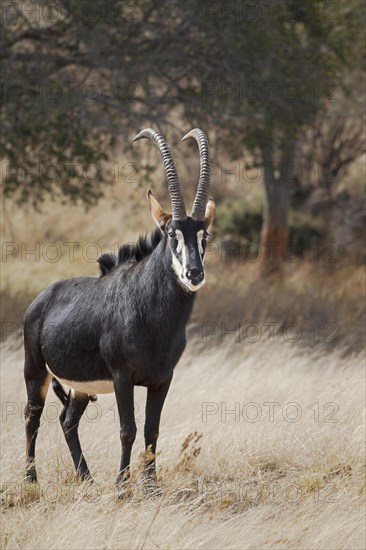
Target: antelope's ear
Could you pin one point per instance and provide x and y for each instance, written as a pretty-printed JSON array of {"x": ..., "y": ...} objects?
[
  {"x": 161, "y": 217},
  {"x": 210, "y": 212}
]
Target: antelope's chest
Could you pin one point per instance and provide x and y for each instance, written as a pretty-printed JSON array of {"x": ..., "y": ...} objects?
[{"x": 154, "y": 362}]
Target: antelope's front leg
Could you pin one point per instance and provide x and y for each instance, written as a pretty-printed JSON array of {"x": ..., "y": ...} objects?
[
  {"x": 154, "y": 404},
  {"x": 124, "y": 394}
]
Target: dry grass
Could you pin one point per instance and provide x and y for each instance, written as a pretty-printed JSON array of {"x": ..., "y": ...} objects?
[
  {"x": 227, "y": 482},
  {"x": 313, "y": 304}
]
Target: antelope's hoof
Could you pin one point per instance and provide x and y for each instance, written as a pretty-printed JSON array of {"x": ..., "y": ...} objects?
[
  {"x": 31, "y": 476},
  {"x": 85, "y": 476}
]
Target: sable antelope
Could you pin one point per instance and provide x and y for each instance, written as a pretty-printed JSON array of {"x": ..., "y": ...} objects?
[{"x": 124, "y": 328}]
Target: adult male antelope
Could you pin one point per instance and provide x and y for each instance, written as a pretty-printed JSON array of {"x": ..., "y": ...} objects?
[{"x": 123, "y": 329}]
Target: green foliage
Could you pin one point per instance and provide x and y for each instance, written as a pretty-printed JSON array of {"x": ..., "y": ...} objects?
[
  {"x": 238, "y": 221},
  {"x": 63, "y": 159},
  {"x": 305, "y": 231},
  {"x": 67, "y": 91},
  {"x": 241, "y": 224},
  {"x": 147, "y": 60},
  {"x": 268, "y": 77}
]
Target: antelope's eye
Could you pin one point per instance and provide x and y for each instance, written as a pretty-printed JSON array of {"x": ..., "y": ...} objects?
[
  {"x": 171, "y": 234},
  {"x": 205, "y": 235}
]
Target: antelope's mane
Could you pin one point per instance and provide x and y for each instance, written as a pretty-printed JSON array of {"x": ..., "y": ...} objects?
[{"x": 130, "y": 253}]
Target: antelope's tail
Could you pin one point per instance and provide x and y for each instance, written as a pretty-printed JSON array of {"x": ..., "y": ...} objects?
[{"x": 59, "y": 391}]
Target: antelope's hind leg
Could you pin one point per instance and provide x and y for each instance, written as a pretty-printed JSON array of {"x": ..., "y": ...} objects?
[
  {"x": 37, "y": 381},
  {"x": 70, "y": 416}
]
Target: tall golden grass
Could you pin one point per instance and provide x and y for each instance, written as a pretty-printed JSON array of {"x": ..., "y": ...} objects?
[{"x": 262, "y": 446}]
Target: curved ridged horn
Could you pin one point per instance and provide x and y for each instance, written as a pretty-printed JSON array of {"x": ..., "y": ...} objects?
[
  {"x": 199, "y": 205},
  {"x": 176, "y": 197}
]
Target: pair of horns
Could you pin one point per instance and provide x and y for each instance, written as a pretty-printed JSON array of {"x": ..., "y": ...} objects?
[{"x": 176, "y": 196}]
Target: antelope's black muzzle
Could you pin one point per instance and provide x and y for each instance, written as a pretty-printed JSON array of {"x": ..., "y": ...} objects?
[{"x": 195, "y": 276}]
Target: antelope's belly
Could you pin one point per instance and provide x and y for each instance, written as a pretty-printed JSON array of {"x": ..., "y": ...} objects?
[{"x": 90, "y": 387}]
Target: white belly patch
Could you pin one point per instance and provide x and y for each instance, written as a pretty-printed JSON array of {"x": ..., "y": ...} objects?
[{"x": 91, "y": 387}]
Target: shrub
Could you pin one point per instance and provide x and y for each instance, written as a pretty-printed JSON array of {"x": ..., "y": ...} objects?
[{"x": 241, "y": 223}]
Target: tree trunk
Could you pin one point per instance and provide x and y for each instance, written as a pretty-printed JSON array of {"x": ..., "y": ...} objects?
[{"x": 274, "y": 236}]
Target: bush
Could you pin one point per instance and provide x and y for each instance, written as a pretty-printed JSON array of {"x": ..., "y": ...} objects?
[
  {"x": 241, "y": 223},
  {"x": 237, "y": 221},
  {"x": 305, "y": 231}
]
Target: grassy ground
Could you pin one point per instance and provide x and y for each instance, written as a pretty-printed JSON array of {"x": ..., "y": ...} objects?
[{"x": 262, "y": 446}]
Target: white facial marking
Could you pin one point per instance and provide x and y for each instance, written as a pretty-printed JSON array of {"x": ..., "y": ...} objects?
[
  {"x": 180, "y": 239},
  {"x": 177, "y": 266},
  {"x": 180, "y": 269},
  {"x": 199, "y": 241},
  {"x": 193, "y": 287}
]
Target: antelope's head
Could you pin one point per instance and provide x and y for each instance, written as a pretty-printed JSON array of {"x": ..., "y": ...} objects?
[{"x": 186, "y": 235}]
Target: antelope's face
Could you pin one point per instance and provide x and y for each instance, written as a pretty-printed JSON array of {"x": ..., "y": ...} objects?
[{"x": 187, "y": 243}]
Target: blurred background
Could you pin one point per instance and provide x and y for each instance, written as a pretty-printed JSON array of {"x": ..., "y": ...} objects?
[{"x": 279, "y": 89}]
